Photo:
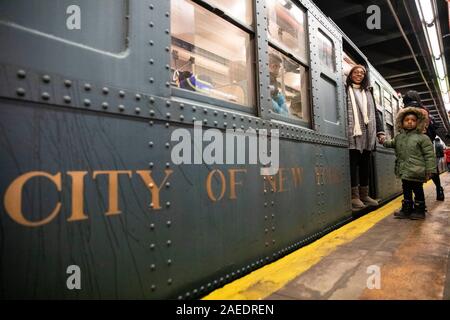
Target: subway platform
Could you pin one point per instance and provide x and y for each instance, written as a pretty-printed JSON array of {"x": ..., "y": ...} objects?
[{"x": 375, "y": 257}]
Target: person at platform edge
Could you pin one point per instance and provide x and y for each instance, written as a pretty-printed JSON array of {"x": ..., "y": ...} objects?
[
  {"x": 415, "y": 161},
  {"x": 364, "y": 127},
  {"x": 412, "y": 99}
]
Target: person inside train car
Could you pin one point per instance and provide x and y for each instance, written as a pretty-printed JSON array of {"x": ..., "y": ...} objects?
[
  {"x": 412, "y": 99},
  {"x": 200, "y": 83},
  {"x": 415, "y": 161},
  {"x": 364, "y": 126},
  {"x": 278, "y": 98}
]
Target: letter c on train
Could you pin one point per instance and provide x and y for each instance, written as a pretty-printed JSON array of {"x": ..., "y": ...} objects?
[{"x": 13, "y": 198}]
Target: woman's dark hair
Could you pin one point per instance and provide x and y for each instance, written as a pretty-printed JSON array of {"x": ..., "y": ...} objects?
[
  {"x": 365, "y": 81},
  {"x": 412, "y": 99}
]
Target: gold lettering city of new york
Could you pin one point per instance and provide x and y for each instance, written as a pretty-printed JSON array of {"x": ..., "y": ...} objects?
[{"x": 219, "y": 185}]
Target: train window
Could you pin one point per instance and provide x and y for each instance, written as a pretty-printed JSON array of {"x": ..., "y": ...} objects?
[
  {"x": 389, "y": 119},
  {"x": 394, "y": 106},
  {"x": 389, "y": 131},
  {"x": 399, "y": 100},
  {"x": 286, "y": 26},
  {"x": 241, "y": 10},
  {"x": 394, "y": 109},
  {"x": 387, "y": 102},
  {"x": 326, "y": 52},
  {"x": 377, "y": 94},
  {"x": 289, "y": 87},
  {"x": 209, "y": 55}
]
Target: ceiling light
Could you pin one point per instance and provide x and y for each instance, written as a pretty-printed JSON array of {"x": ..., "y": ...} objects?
[
  {"x": 440, "y": 68},
  {"x": 446, "y": 98},
  {"x": 434, "y": 41},
  {"x": 426, "y": 10},
  {"x": 443, "y": 84}
]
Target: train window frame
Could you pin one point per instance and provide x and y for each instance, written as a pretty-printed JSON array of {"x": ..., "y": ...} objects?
[
  {"x": 332, "y": 75},
  {"x": 289, "y": 119},
  {"x": 389, "y": 120},
  {"x": 195, "y": 97},
  {"x": 304, "y": 62},
  {"x": 278, "y": 44},
  {"x": 395, "y": 110},
  {"x": 223, "y": 11}
]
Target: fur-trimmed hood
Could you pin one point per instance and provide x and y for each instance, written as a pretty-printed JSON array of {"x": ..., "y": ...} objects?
[{"x": 421, "y": 118}]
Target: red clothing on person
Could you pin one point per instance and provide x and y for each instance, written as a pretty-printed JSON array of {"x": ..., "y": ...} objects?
[{"x": 447, "y": 155}]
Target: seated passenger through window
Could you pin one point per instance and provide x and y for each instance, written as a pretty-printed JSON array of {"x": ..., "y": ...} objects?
[
  {"x": 210, "y": 55},
  {"x": 288, "y": 86},
  {"x": 288, "y": 60},
  {"x": 278, "y": 98}
]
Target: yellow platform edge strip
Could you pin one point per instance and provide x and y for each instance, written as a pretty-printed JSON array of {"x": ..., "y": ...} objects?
[
  {"x": 272, "y": 277},
  {"x": 263, "y": 282}
]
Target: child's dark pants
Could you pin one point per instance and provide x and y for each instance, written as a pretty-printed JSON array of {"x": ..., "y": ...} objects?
[{"x": 413, "y": 186}]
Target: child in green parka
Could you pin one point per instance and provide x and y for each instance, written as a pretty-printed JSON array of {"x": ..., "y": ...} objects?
[{"x": 415, "y": 161}]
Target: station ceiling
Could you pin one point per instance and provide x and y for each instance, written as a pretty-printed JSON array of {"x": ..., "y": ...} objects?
[{"x": 388, "y": 51}]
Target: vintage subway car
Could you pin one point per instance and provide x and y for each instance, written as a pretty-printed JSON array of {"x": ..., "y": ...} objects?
[{"x": 91, "y": 93}]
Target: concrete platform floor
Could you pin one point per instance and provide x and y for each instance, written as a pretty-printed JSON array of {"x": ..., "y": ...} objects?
[
  {"x": 412, "y": 258},
  {"x": 373, "y": 257}
]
